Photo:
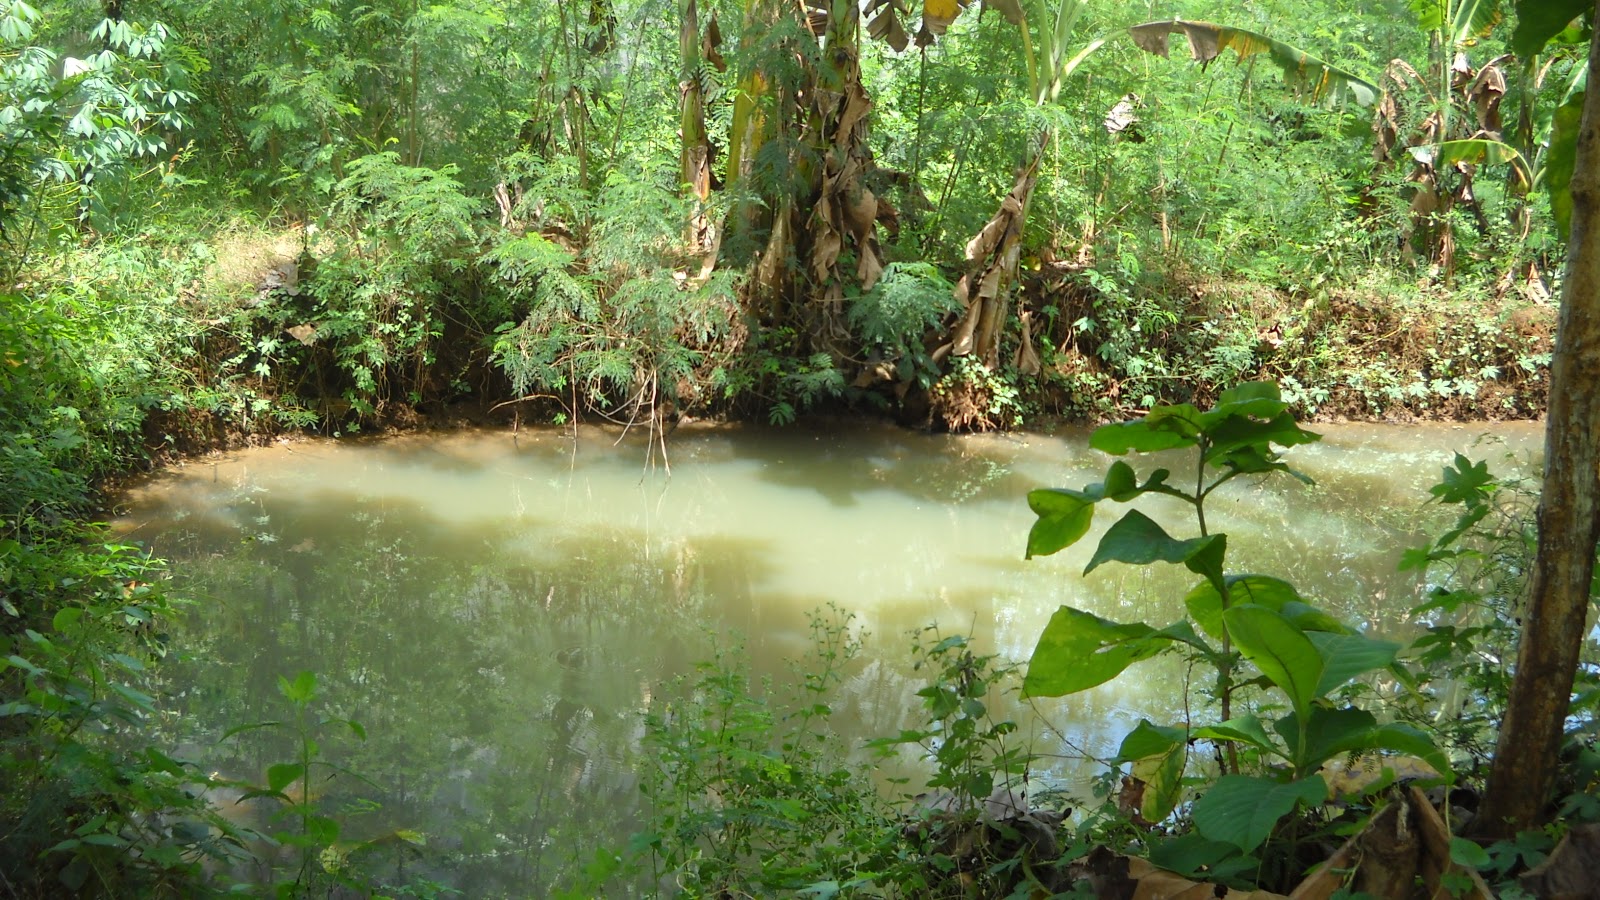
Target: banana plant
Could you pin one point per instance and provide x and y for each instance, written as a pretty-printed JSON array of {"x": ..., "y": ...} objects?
[
  {"x": 1304, "y": 654},
  {"x": 1541, "y": 26},
  {"x": 700, "y": 53},
  {"x": 1045, "y": 30}
]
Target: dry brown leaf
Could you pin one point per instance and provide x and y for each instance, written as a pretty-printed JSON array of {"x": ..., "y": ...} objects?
[
  {"x": 1027, "y": 358},
  {"x": 1486, "y": 92},
  {"x": 1572, "y": 870},
  {"x": 769, "y": 271},
  {"x": 984, "y": 242},
  {"x": 886, "y": 25},
  {"x": 711, "y": 45},
  {"x": 1122, "y": 116},
  {"x": 856, "y": 108},
  {"x": 1011, "y": 9},
  {"x": 1205, "y": 43},
  {"x": 938, "y": 14},
  {"x": 825, "y": 251},
  {"x": 1151, "y": 37},
  {"x": 989, "y": 286},
  {"x": 961, "y": 343},
  {"x": 869, "y": 268},
  {"x": 861, "y": 214}
]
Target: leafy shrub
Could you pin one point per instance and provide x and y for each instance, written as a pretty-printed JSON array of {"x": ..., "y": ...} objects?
[
  {"x": 892, "y": 318},
  {"x": 750, "y": 791},
  {"x": 89, "y": 807},
  {"x": 973, "y": 397},
  {"x": 1248, "y": 821},
  {"x": 377, "y": 297}
]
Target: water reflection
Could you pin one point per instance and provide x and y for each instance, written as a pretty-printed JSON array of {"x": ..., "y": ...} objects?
[{"x": 498, "y": 613}]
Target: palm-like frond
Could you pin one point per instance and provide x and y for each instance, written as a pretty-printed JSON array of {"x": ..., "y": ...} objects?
[{"x": 1207, "y": 41}]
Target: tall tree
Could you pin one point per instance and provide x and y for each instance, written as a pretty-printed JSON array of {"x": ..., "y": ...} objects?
[{"x": 1526, "y": 758}]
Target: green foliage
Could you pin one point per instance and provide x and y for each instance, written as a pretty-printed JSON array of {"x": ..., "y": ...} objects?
[
  {"x": 316, "y": 855},
  {"x": 88, "y": 805},
  {"x": 71, "y": 127},
  {"x": 622, "y": 352},
  {"x": 973, "y": 397},
  {"x": 377, "y": 297},
  {"x": 891, "y": 319},
  {"x": 749, "y": 791},
  {"x": 1305, "y": 655},
  {"x": 1538, "y": 23},
  {"x": 752, "y": 791},
  {"x": 1477, "y": 571},
  {"x": 971, "y": 751}
]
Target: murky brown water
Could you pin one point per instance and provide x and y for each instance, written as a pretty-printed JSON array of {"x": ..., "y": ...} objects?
[{"x": 498, "y": 611}]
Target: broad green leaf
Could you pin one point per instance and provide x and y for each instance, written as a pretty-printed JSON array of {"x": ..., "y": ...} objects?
[
  {"x": 1158, "y": 755},
  {"x": 136, "y": 697},
  {"x": 1248, "y": 409},
  {"x": 1183, "y": 632},
  {"x": 302, "y": 690},
  {"x": 1121, "y": 484},
  {"x": 1429, "y": 13},
  {"x": 1562, "y": 158},
  {"x": 1079, "y": 650},
  {"x": 1281, "y": 651},
  {"x": 1238, "y": 433},
  {"x": 1063, "y": 519},
  {"x": 1345, "y": 656},
  {"x": 1149, "y": 739},
  {"x": 66, "y": 618},
  {"x": 250, "y": 726},
  {"x": 1331, "y": 733},
  {"x": 1474, "y": 151},
  {"x": 1242, "y": 809},
  {"x": 1408, "y": 741},
  {"x": 282, "y": 775},
  {"x": 1190, "y": 854},
  {"x": 1464, "y": 852},
  {"x": 1308, "y": 618},
  {"x": 1469, "y": 19},
  {"x": 1249, "y": 392},
  {"x": 322, "y": 829},
  {"x": 1241, "y": 730},
  {"x": 1136, "y": 539},
  {"x": 1204, "y": 600},
  {"x": 1065, "y": 514},
  {"x": 1207, "y": 41},
  {"x": 1474, "y": 19},
  {"x": 1207, "y": 558},
  {"x": 1328, "y": 733},
  {"x": 1540, "y": 20},
  {"x": 1119, "y": 438}
]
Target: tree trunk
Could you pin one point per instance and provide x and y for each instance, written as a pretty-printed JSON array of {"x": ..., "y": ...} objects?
[
  {"x": 1569, "y": 517},
  {"x": 695, "y": 155}
]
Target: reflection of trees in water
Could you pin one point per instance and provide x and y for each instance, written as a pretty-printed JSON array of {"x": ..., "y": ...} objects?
[
  {"x": 500, "y": 668},
  {"x": 500, "y": 688},
  {"x": 845, "y": 467}
]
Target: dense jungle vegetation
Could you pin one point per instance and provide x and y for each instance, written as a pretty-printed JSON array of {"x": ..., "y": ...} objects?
[{"x": 223, "y": 220}]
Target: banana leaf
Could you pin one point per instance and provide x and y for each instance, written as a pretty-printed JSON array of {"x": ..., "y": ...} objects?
[{"x": 1324, "y": 80}]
